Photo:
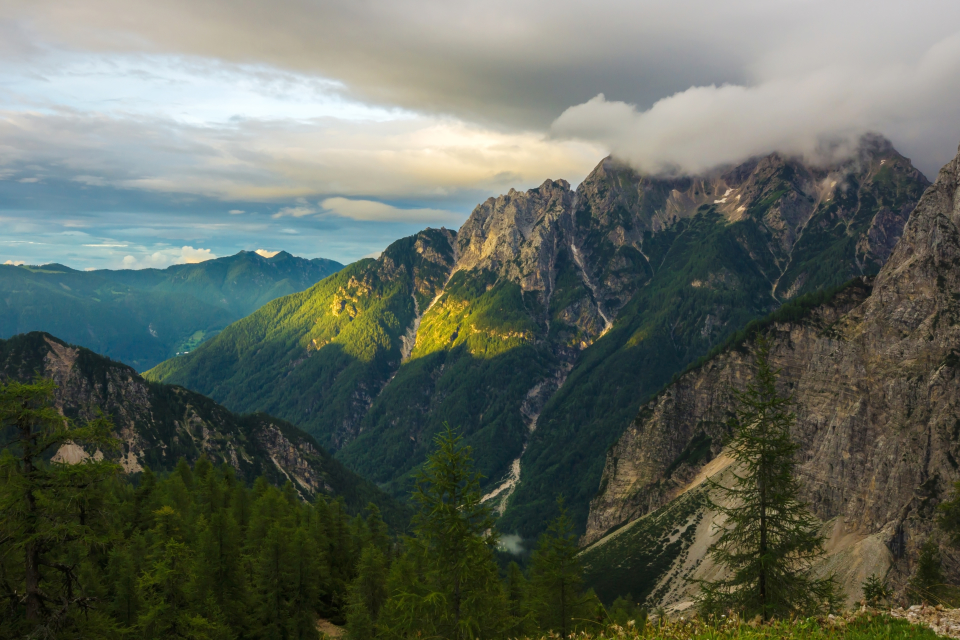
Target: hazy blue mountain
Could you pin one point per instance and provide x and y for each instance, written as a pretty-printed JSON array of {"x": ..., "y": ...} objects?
[{"x": 142, "y": 317}]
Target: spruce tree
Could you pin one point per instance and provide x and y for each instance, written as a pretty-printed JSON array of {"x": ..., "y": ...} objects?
[
  {"x": 218, "y": 570},
  {"x": 520, "y": 619},
  {"x": 769, "y": 539}
]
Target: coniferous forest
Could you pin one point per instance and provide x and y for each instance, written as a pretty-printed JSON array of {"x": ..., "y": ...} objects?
[{"x": 196, "y": 553}]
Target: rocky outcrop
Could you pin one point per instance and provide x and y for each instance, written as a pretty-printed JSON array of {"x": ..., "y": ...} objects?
[{"x": 876, "y": 376}]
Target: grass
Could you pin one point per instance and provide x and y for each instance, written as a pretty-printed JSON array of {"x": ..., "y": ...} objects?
[{"x": 857, "y": 627}]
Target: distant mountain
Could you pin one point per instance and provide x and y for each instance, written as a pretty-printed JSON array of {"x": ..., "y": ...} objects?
[
  {"x": 142, "y": 317},
  {"x": 550, "y": 317},
  {"x": 159, "y": 424},
  {"x": 875, "y": 372}
]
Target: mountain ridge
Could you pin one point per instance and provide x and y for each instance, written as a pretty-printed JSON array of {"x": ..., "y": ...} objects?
[
  {"x": 555, "y": 312},
  {"x": 158, "y": 424}
]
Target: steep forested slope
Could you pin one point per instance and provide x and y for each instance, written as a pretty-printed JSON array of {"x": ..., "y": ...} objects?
[
  {"x": 318, "y": 358},
  {"x": 159, "y": 424},
  {"x": 145, "y": 316},
  {"x": 563, "y": 312}
]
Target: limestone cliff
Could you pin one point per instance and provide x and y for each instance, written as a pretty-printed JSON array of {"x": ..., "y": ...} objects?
[{"x": 875, "y": 374}]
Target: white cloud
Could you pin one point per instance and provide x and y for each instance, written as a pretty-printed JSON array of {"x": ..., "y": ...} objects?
[
  {"x": 236, "y": 212},
  {"x": 372, "y": 210},
  {"x": 166, "y": 257},
  {"x": 265, "y": 253},
  {"x": 15, "y": 263},
  {"x": 298, "y": 211},
  {"x": 193, "y": 256},
  {"x": 705, "y": 126}
]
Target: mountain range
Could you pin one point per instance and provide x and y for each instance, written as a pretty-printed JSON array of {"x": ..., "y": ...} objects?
[
  {"x": 542, "y": 326},
  {"x": 142, "y": 317}
]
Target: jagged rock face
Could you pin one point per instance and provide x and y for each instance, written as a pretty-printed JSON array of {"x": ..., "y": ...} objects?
[
  {"x": 876, "y": 381},
  {"x": 515, "y": 235},
  {"x": 602, "y": 227},
  {"x": 158, "y": 424}
]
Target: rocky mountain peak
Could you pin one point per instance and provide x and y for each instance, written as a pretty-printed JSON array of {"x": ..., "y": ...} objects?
[
  {"x": 515, "y": 235},
  {"x": 916, "y": 288}
]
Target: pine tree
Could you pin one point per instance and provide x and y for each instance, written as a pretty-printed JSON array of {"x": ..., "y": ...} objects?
[
  {"x": 770, "y": 539},
  {"x": 377, "y": 534},
  {"x": 556, "y": 578},
  {"x": 303, "y": 592},
  {"x": 51, "y": 513},
  {"x": 273, "y": 582}
]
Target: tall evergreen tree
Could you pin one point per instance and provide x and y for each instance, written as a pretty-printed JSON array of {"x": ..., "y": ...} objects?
[
  {"x": 520, "y": 619},
  {"x": 218, "y": 570},
  {"x": 556, "y": 578},
  {"x": 51, "y": 513},
  {"x": 770, "y": 539},
  {"x": 368, "y": 593},
  {"x": 449, "y": 586}
]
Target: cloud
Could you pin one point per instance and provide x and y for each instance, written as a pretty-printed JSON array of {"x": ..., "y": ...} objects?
[
  {"x": 265, "y": 253},
  {"x": 299, "y": 211},
  {"x": 508, "y": 67},
  {"x": 703, "y": 127},
  {"x": 190, "y": 255},
  {"x": 236, "y": 212},
  {"x": 15, "y": 263},
  {"x": 166, "y": 257},
  {"x": 275, "y": 161},
  {"x": 511, "y": 543},
  {"x": 372, "y": 210},
  {"x": 426, "y": 105}
]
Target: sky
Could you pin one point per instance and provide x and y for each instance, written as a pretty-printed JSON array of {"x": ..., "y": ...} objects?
[{"x": 138, "y": 133}]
